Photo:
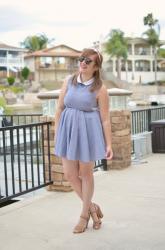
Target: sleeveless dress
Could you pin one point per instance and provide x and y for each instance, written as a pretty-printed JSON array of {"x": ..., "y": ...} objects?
[{"x": 80, "y": 133}]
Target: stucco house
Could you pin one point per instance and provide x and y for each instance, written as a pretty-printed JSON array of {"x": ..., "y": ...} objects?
[
  {"x": 139, "y": 67},
  {"x": 11, "y": 60},
  {"x": 52, "y": 64}
]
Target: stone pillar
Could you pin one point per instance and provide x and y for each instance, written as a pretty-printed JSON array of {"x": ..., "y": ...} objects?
[
  {"x": 57, "y": 174},
  {"x": 121, "y": 139}
]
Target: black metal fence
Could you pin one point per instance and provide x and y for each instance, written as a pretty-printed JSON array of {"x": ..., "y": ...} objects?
[
  {"x": 25, "y": 165},
  {"x": 11, "y": 120},
  {"x": 142, "y": 118},
  {"x": 102, "y": 164}
]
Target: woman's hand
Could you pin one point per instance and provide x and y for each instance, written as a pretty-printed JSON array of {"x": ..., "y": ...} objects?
[{"x": 109, "y": 153}]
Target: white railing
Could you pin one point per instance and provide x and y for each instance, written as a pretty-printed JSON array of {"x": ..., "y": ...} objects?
[{"x": 4, "y": 61}]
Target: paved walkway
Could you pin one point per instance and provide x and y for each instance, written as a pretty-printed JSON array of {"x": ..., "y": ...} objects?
[{"x": 133, "y": 202}]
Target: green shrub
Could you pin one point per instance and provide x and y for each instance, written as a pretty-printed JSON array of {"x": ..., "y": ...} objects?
[
  {"x": 25, "y": 73},
  {"x": 161, "y": 52},
  {"x": 7, "y": 111},
  {"x": 10, "y": 80},
  {"x": 2, "y": 102}
]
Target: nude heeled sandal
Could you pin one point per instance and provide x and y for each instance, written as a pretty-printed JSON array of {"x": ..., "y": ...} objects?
[
  {"x": 79, "y": 228},
  {"x": 98, "y": 210},
  {"x": 96, "y": 214}
]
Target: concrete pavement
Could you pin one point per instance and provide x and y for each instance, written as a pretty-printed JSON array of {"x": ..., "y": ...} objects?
[{"x": 133, "y": 202}]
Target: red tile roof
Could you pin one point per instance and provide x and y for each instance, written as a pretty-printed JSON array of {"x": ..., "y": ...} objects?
[{"x": 51, "y": 52}]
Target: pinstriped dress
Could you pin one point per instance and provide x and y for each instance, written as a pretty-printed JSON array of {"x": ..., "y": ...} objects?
[{"x": 79, "y": 133}]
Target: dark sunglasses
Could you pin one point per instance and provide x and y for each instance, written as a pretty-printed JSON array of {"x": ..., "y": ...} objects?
[{"x": 85, "y": 59}]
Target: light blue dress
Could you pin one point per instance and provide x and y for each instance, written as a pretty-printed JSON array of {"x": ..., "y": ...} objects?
[{"x": 80, "y": 133}]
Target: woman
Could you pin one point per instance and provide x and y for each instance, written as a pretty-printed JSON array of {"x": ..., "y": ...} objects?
[{"x": 83, "y": 132}]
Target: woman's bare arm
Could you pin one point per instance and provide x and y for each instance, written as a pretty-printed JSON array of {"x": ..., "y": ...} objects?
[
  {"x": 103, "y": 103},
  {"x": 60, "y": 105}
]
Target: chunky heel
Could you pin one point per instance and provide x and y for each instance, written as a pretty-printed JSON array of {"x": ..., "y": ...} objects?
[
  {"x": 99, "y": 212},
  {"x": 96, "y": 219},
  {"x": 80, "y": 228}
]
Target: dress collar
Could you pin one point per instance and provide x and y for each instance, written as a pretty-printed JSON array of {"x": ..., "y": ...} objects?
[{"x": 90, "y": 81}]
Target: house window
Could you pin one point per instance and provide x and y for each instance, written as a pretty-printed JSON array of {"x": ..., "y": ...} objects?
[
  {"x": 3, "y": 53},
  {"x": 13, "y": 54},
  {"x": 59, "y": 60},
  {"x": 142, "y": 49},
  {"x": 129, "y": 65},
  {"x": 142, "y": 65},
  {"x": 129, "y": 49},
  {"x": 160, "y": 66},
  {"x": 124, "y": 67},
  {"x": 46, "y": 61}
]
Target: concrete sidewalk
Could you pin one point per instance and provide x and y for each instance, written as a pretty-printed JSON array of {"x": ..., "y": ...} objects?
[{"x": 133, "y": 202}]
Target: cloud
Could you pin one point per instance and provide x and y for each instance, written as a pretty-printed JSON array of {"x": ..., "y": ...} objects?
[
  {"x": 72, "y": 22},
  {"x": 29, "y": 21},
  {"x": 13, "y": 19}
]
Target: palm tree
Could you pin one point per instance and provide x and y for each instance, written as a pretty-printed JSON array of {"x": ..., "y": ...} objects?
[
  {"x": 150, "y": 21},
  {"x": 161, "y": 52},
  {"x": 152, "y": 34},
  {"x": 117, "y": 46},
  {"x": 44, "y": 41},
  {"x": 36, "y": 42}
]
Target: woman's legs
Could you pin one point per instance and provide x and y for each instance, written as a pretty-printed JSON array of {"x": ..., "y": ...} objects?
[
  {"x": 80, "y": 176},
  {"x": 71, "y": 172},
  {"x": 87, "y": 179}
]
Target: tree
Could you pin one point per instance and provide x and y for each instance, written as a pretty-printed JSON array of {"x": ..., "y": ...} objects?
[
  {"x": 150, "y": 21},
  {"x": 152, "y": 35},
  {"x": 161, "y": 52},
  {"x": 25, "y": 73},
  {"x": 117, "y": 46},
  {"x": 10, "y": 80},
  {"x": 36, "y": 42}
]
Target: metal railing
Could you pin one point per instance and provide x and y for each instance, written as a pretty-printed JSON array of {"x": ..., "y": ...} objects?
[
  {"x": 25, "y": 162},
  {"x": 20, "y": 119},
  {"x": 102, "y": 164},
  {"x": 142, "y": 118}
]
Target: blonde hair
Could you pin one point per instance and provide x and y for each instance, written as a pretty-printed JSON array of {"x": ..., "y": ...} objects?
[{"x": 97, "y": 74}]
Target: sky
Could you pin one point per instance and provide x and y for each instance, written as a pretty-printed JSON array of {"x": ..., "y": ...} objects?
[{"x": 75, "y": 23}]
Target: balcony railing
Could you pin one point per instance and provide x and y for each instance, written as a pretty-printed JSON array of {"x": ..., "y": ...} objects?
[
  {"x": 142, "y": 52},
  {"x": 56, "y": 67},
  {"x": 4, "y": 61}
]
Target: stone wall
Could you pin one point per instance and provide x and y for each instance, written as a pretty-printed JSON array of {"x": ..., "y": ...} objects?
[
  {"x": 121, "y": 139},
  {"x": 121, "y": 143}
]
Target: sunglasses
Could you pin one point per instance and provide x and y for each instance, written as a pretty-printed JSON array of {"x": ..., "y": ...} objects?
[{"x": 85, "y": 59}]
